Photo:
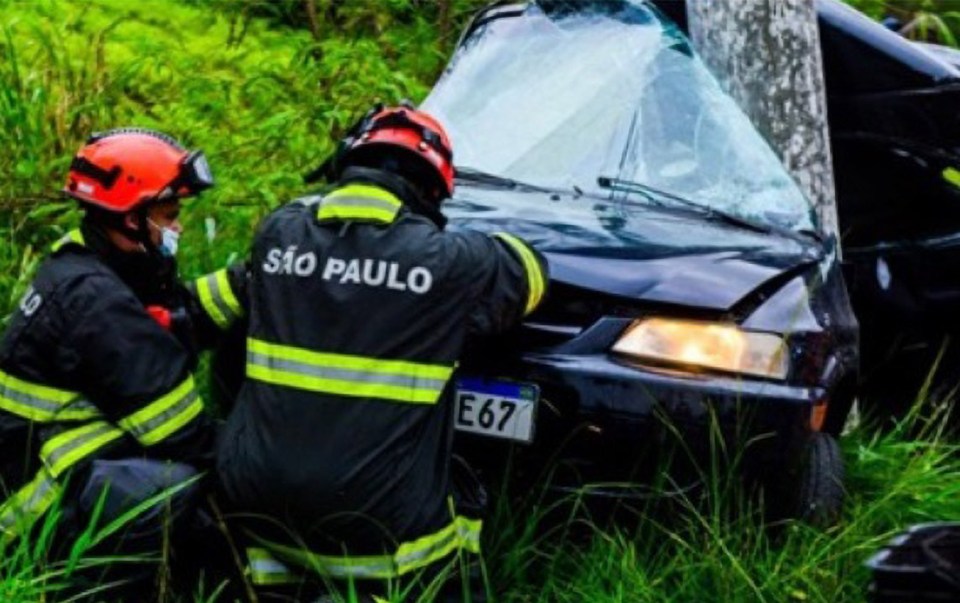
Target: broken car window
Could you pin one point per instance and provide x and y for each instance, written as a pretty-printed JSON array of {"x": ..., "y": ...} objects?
[{"x": 559, "y": 99}]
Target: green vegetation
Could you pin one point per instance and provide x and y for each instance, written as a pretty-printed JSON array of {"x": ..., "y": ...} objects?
[
  {"x": 264, "y": 88},
  {"x": 927, "y": 20},
  {"x": 264, "y": 102}
]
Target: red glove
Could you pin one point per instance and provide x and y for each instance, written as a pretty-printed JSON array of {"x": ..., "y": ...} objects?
[{"x": 161, "y": 315}]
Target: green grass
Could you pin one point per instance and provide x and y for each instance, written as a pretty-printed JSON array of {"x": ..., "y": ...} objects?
[
  {"x": 712, "y": 549},
  {"x": 718, "y": 552},
  {"x": 266, "y": 101},
  {"x": 716, "y": 548},
  {"x": 928, "y": 20}
]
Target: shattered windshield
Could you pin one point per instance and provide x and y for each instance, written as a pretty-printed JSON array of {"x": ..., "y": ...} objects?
[{"x": 573, "y": 95}]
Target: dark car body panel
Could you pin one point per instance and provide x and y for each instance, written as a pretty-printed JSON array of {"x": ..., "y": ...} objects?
[
  {"x": 894, "y": 111},
  {"x": 655, "y": 262},
  {"x": 712, "y": 281}
]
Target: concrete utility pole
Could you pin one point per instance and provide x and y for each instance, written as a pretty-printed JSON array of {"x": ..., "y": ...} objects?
[{"x": 766, "y": 54}]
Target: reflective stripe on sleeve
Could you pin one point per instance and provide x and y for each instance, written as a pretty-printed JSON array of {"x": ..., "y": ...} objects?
[
  {"x": 461, "y": 534},
  {"x": 360, "y": 202},
  {"x": 218, "y": 299},
  {"x": 340, "y": 374},
  {"x": 165, "y": 415},
  {"x": 67, "y": 449},
  {"x": 952, "y": 175},
  {"x": 536, "y": 282},
  {"x": 41, "y": 403},
  {"x": 26, "y": 505}
]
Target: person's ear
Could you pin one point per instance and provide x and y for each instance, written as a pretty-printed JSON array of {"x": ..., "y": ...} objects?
[{"x": 132, "y": 221}]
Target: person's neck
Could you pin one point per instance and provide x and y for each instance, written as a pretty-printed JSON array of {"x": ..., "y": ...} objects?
[
  {"x": 107, "y": 240},
  {"x": 122, "y": 242},
  {"x": 148, "y": 274}
]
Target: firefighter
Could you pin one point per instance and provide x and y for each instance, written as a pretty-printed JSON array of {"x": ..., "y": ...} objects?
[
  {"x": 360, "y": 304},
  {"x": 98, "y": 408}
]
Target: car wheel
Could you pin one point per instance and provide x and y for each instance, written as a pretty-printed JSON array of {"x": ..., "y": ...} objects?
[{"x": 819, "y": 489}]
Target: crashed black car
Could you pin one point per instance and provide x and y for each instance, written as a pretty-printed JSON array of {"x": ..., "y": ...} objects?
[{"x": 690, "y": 294}]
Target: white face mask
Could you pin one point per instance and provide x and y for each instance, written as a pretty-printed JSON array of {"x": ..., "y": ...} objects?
[{"x": 169, "y": 239}]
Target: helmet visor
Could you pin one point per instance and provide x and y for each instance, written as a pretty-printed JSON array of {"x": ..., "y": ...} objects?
[
  {"x": 195, "y": 176},
  {"x": 195, "y": 173}
]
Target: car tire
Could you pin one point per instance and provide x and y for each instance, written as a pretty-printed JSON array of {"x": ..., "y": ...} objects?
[{"x": 819, "y": 489}]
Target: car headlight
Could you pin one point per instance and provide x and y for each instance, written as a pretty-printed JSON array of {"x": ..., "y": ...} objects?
[{"x": 711, "y": 345}]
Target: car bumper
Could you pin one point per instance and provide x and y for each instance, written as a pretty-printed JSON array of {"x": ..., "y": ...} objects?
[{"x": 603, "y": 420}]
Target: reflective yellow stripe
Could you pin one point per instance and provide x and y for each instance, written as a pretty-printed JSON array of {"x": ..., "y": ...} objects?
[
  {"x": 66, "y": 449},
  {"x": 218, "y": 299},
  {"x": 41, "y": 403},
  {"x": 367, "y": 191},
  {"x": 361, "y": 363},
  {"x": 342, "y": 387},
  {"x": 346, "y": 375},
  {"x": 461, "y": 534},
  {"x": 227, "y": 292},
  {"x": 360, "y": 202},
  {"x": 952, "y": 175},
  {"x": 265, "y": 570},
  {"x": 536, "y": 282},
  {"x": 51, "y": 394},
  {"x": 340, "y": 212},
  {"x": 26, "y": 505},
  {"x": 206, "y": 300},
  {"x": 165, "y": 415},
  {"x": 74, "y": 236}
]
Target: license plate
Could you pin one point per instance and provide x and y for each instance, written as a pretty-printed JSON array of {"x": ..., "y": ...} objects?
[{"x": 496, "y": 409}]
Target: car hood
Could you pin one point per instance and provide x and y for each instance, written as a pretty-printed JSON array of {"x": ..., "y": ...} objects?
[
  {"x": 710, "y": 281},
  {"x": 663, "y": 256}
]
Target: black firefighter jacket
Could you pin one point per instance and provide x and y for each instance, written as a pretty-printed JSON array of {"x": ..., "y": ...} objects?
[
  {"x": 85, "y": 373},
  {"x": 359, "y": 309}
]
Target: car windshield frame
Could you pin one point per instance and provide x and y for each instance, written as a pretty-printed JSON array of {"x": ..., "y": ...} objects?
[{"x": 564, "y": 93}]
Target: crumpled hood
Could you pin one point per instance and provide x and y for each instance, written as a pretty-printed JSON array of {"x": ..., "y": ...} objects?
[
  {"x": 713, "y": 281},
  {"x": 649, "y": 253}
]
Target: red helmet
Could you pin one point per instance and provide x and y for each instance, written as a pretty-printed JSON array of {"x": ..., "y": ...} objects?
[
  {"x": 122, "y": 169},
  {"x": 406, "y": 128}
]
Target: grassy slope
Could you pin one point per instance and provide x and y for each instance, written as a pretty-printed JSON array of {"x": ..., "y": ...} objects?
[
  {"x": 712, "y": 553},
  {"x": 263, "y": 104}
]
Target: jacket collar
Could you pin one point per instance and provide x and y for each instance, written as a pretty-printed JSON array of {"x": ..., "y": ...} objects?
[
  {"x": 152, "y": 277},
  {"x": 74, "y": 237},
  {"x": 356, "y": 202},
  {"x": 389, "y": 185}
]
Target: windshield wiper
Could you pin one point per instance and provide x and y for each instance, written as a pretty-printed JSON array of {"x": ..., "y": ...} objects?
[
  {"x": 665, "y": 199},
  {"x": 469, "y": 174}
]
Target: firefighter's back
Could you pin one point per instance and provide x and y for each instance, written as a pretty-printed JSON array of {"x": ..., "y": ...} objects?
[{"x": 355, "y": 328}]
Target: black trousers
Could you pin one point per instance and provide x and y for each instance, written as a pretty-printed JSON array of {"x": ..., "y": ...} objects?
[
  {"x": 457, "y": 578},
  {"x": 127, "y": 520}
]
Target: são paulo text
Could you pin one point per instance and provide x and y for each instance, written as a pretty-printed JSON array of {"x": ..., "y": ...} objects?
[{"x": 373, "y": 273}]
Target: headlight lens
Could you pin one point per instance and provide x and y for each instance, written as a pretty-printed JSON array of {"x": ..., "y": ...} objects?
[{"x": 712, "y": 345}]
